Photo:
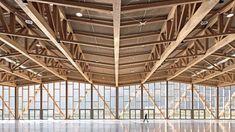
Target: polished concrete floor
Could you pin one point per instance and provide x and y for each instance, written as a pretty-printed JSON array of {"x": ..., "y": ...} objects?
[{"x": 117, "y": 126}]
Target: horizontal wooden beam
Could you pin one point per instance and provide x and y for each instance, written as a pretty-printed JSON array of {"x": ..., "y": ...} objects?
[
  {"x": 10, "y": 84},
  {"x": 65, "y": 41},
  {"x": 95, "y": 21},
  {"x": 94, "y": 34},
  {"x": 137, "y": 21},
  {"x": 78, "y": 5},
  {"x": 187, "y": 39},
  {"x": 124, "y": 23},
  {"x": 155, "y": 5}
]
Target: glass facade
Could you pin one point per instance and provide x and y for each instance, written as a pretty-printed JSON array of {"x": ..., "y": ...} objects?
[
  {"x": 29, "y": 102},
  {"x": 179, "y": 100},
  {"x": 77, "y": 100},
  {"x": 7, "y": 103}
]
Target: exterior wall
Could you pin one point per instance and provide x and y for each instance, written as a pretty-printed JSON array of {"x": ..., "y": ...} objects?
[{"x": 79, "y": 100}]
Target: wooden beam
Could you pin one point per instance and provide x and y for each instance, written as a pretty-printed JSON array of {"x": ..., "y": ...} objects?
[
  {"x": 156, "y": 5},
  {"x": 42, "y": 24},
  {"x": 109, "y": 23},
  {"x": 79, "y": 5},
  {"x": 19, "y": 74},
  {"x": 226, "y": 84},
  {"x": 116, "y": 35},
  {"x": 137, "y": 21},
  {"x": 209, "y": 52},
  {"x": 65, "y": 41},
  {"x": 187, "y": 39},
  {"x": 97, "y": 22},
  {"x": 202, "y": 11},
  {"x": 20, "y": 49},
  {"x": 8, "y": 84},
  {"x": 94, "y": 34},
  {"x": 216, "y": 73}
]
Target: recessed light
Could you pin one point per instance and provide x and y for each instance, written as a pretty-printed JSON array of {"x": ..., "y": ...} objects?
[
  {"x": 204, "y": 22},
  {"x": 30, "y": 22},
  {"x": 51, "y": 4},
  {"x": 142, "y": 23},
  {"x": 38, "y": 45},
  {"x": 229, "y": 15},
  {"x": 79, "y": 14}
]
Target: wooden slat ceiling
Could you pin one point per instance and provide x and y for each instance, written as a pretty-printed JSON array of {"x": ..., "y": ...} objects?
[{"x": 117, "y": 42}]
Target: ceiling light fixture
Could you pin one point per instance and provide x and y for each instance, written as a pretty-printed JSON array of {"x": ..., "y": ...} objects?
[
  {"x": 38, "y": 45},
  {"x": 229, "y": 15},
  {"x": 204, "y": 22},
  {"x": 30, "y": 22},
  {"x": 142, "y": 23},
  {"x": 79, "y": 14}
]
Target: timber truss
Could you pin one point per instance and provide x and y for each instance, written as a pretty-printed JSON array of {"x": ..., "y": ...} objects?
[{"x": 117, "y": 42}]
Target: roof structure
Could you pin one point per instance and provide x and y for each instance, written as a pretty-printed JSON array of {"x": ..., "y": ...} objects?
[{"x": 117, "y": 42}]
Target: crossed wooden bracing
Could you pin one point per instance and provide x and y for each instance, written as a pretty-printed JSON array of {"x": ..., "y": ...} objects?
[{"x": 117, "y": 42}]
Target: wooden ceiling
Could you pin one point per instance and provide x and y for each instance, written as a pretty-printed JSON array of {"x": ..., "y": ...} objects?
[{"x": 117, "y": 42}]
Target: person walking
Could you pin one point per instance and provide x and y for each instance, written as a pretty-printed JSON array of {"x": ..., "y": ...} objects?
[{"x": 146, "y": 118}]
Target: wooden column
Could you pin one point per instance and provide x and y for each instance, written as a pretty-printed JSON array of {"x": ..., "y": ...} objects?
[
  {"x": 166, "y": 115},
  {"x": 142, "y": 103},
  {"x": 66, "y": 99},
  {"x": 92, "y": 112},
  {"x": 41, "y": 110},
  {"x": 117, "y": 103},
  {"x": 217, "y": 103},
  {"x": 192, "y": 111},
  {"x": 16, "y": 103}
]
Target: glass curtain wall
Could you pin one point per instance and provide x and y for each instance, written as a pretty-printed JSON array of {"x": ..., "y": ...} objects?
[
  {"x": 154, "y": 100},
  {"x": 129, "y": 102},
  {"x": 179, "y": 100},
  {"x": 204, "y": 102},
  {"x": 104, "y": 102},
  {"x": 7, "y": 103},
  {"x": 182, "y": 104},
  {"x": 227, "y": 102},
  {"x": 29, "y": 102},
  {"x": 79, "y": 100},
  {"x": 53, "y": 100}
]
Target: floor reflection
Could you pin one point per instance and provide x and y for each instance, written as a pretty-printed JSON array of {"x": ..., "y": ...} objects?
[{"x": 118, "y": 126}]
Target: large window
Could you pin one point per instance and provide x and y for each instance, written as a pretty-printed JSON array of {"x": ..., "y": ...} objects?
[
  {"x": 29, "y": 102},
  {"x": 227, "y": 102},
  {"x": 7, "y": 103},
  {"x": 104, "y": 102},
  {"x": 205, "y": 102},
  {"x": 154, "y": 100},
  {"x": 129, "y": 102},
  {"x": 79, "y": 100},
  {"x": 179, "y": 100},
  {"x": 53, "y": 100}
]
